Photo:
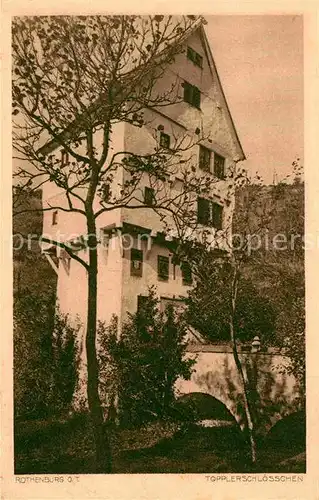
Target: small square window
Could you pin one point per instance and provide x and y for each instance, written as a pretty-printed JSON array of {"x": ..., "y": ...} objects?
[
  {"x": 54, "y": 218},
  {"x": 64, "y": 158},
  {"x": 162, "y": 267},
  {"x": 186, "y": 273},
  {"x": 219, "y": 166},
  {"x": 191, "y": 94},
  {"x": 165, "y": 141},
  {"x": 136, "y": 262},
  {"x": 204, "y": 158}
]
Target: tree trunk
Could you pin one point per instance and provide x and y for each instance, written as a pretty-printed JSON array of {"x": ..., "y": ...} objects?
[
  {"x": 248, "y": 412},
  {"x": 247, "y": 405},
  {"x": 100, "y": 432}
]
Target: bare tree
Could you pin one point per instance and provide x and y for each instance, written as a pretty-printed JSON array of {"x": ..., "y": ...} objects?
[{"x": 74, "y": 79}]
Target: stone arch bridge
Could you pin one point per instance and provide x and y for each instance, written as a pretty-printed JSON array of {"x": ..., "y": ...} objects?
[{"x": 215, "y": 373}]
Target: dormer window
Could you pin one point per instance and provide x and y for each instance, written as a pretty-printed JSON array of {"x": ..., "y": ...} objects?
[
  {"x": 64, "y": 158},
  {"x": 193, "y": 56},
  {"x": 165, "y": 141},
  {"x": 191, "y": 94}
]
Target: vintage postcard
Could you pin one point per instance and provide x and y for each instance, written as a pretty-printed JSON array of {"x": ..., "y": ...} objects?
[{"x": 159, "y": 209}]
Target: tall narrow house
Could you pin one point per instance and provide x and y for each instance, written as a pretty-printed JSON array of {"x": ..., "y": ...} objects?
[{"x": 134, "y": 252}]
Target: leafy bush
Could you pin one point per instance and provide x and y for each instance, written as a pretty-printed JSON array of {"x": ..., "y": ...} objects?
[
  {"x": 146, "y": 362},
  {"x": 33, "y": 356},
  {"x": 65, "y": 359},
  {"x": 45, "y": 358}
]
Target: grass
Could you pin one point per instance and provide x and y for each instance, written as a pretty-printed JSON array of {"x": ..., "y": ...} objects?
[{"x": 66, "y": 448}]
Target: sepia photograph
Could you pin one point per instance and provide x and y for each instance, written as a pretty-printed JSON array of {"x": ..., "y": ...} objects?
[{"x": 159, "y": 244}]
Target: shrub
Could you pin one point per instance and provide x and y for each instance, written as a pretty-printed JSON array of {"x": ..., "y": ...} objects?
[
  {"x": 45, "y": 358},
  {"x": 146, "y": 361}
]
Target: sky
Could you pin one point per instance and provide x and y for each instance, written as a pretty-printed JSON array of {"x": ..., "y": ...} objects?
[{"x": 260, "y": 63}]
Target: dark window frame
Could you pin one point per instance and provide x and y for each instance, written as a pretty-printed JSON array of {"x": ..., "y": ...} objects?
[
  {"x": 204, "y": 163},
  {"x": 187, "y": 276},
  {"x": 217, "y": 215},
  {"x": 136, "y": 256},
  {"x": 210, "y": 213},
  {"x": 149, "y": 196},
  {"x": 195, "y": 57},
  {"x": 162, "y": 260},
  {"x": 219, "y": 166},
  {"x": 165, "y": 140},
  {"x": 203, "y": 211},
  {"x": 192, "y": 94}
]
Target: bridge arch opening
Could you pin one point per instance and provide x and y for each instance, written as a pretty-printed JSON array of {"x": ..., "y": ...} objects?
[
  {"x": 200, "y": 406},
  {"x": 289, "y": 432}
]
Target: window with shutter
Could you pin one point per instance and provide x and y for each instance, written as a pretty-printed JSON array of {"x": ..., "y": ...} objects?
[
  {"x": 196, "y": 97},
  {"x": 162, "y": 267},
  {"x": 136, "y": 262},
  {"x": 198, "y": 60},
  {"x": 217, "y": 216},
  {"x": 193, "y": 56},
  {"x": 203, "y": 211},
  {"x": 188, "y": 92},
  {"x": 191, "y": 94},
  {"x": 219, "y": 166},
  {"x": 204, "y": 158},
  {"x": 190, "y": 54}
]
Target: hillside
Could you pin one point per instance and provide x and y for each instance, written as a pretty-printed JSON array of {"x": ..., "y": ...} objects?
[
  {"x": 277, "y": 266},
  {"x": 277, "y": 209},
  {"x": 31, "y": 270}
]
